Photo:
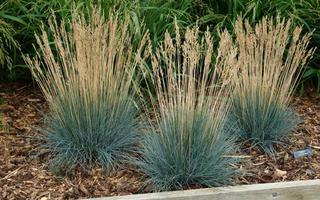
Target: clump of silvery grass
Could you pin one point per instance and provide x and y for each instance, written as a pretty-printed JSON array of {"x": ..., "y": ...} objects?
[
  {"x": 269, "y": 59},
  {"x": 87, "y": 80},
  {"x": 186, "y": 143}
]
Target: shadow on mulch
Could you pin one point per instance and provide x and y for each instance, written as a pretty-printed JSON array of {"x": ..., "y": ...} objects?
[{"x": 24, "y": 172}]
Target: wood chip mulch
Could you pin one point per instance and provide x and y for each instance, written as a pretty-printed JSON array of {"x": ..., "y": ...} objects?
[
  {"x": 283, "y": 167},
  {"x": 24, "y": 173}
]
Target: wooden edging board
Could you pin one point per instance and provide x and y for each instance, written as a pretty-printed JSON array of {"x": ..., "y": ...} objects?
[{"x": 295, "y": 190}]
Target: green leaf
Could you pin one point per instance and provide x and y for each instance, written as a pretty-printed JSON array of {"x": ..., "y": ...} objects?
[{"x": 13, "y": 18}]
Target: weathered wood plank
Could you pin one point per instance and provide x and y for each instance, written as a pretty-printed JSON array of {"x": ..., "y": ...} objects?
[{"x": 296, "y": 190}]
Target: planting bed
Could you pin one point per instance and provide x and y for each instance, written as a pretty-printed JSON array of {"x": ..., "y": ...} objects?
[{"x": 23, "y": 162}]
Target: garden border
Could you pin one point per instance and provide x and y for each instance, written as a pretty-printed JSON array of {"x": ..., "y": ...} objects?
[{"x": 295, "y": 190}]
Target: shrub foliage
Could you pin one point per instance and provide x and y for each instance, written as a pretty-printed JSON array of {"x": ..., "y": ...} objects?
[
  {"x": 269, "y": 62},
  {"x": 88, "y": 86}
]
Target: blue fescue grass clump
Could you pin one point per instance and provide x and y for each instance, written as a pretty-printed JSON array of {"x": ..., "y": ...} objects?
[
  {"x": 268, "y": 60},
  {"x": 105, "y": 136},
  {"x": 89, "y": 84},
  {"x": 262, "y": 126},
  {"x": 199, "y": 158},
  {"x": 186, "y": 144}
]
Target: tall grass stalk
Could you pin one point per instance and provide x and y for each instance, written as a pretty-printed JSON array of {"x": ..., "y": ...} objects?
[
  {"x": 269, "y": 62},
  {"x": 88, "y": 86},
  {"x": 187, "y": 144}
]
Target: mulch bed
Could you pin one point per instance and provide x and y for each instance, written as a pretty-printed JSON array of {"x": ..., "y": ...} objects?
[
  {"x": 263, "y": 169},
  {"x": 24, "y": 171}
]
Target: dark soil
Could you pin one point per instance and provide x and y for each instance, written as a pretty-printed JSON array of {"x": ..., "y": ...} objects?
[{"x": 24, "y": 172}]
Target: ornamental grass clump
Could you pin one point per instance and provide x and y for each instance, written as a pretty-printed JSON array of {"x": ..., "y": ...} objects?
[
  {"x": 269, "y": 58},
  {"x": 186, "y": 144},
  {"x": 87, "y": 81}
]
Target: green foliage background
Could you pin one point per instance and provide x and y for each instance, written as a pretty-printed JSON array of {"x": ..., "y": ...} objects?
[{"x": 25, "y": 16}]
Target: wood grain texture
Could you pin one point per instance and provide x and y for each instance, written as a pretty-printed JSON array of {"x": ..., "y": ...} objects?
[{"x": 296, "y": 190}]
